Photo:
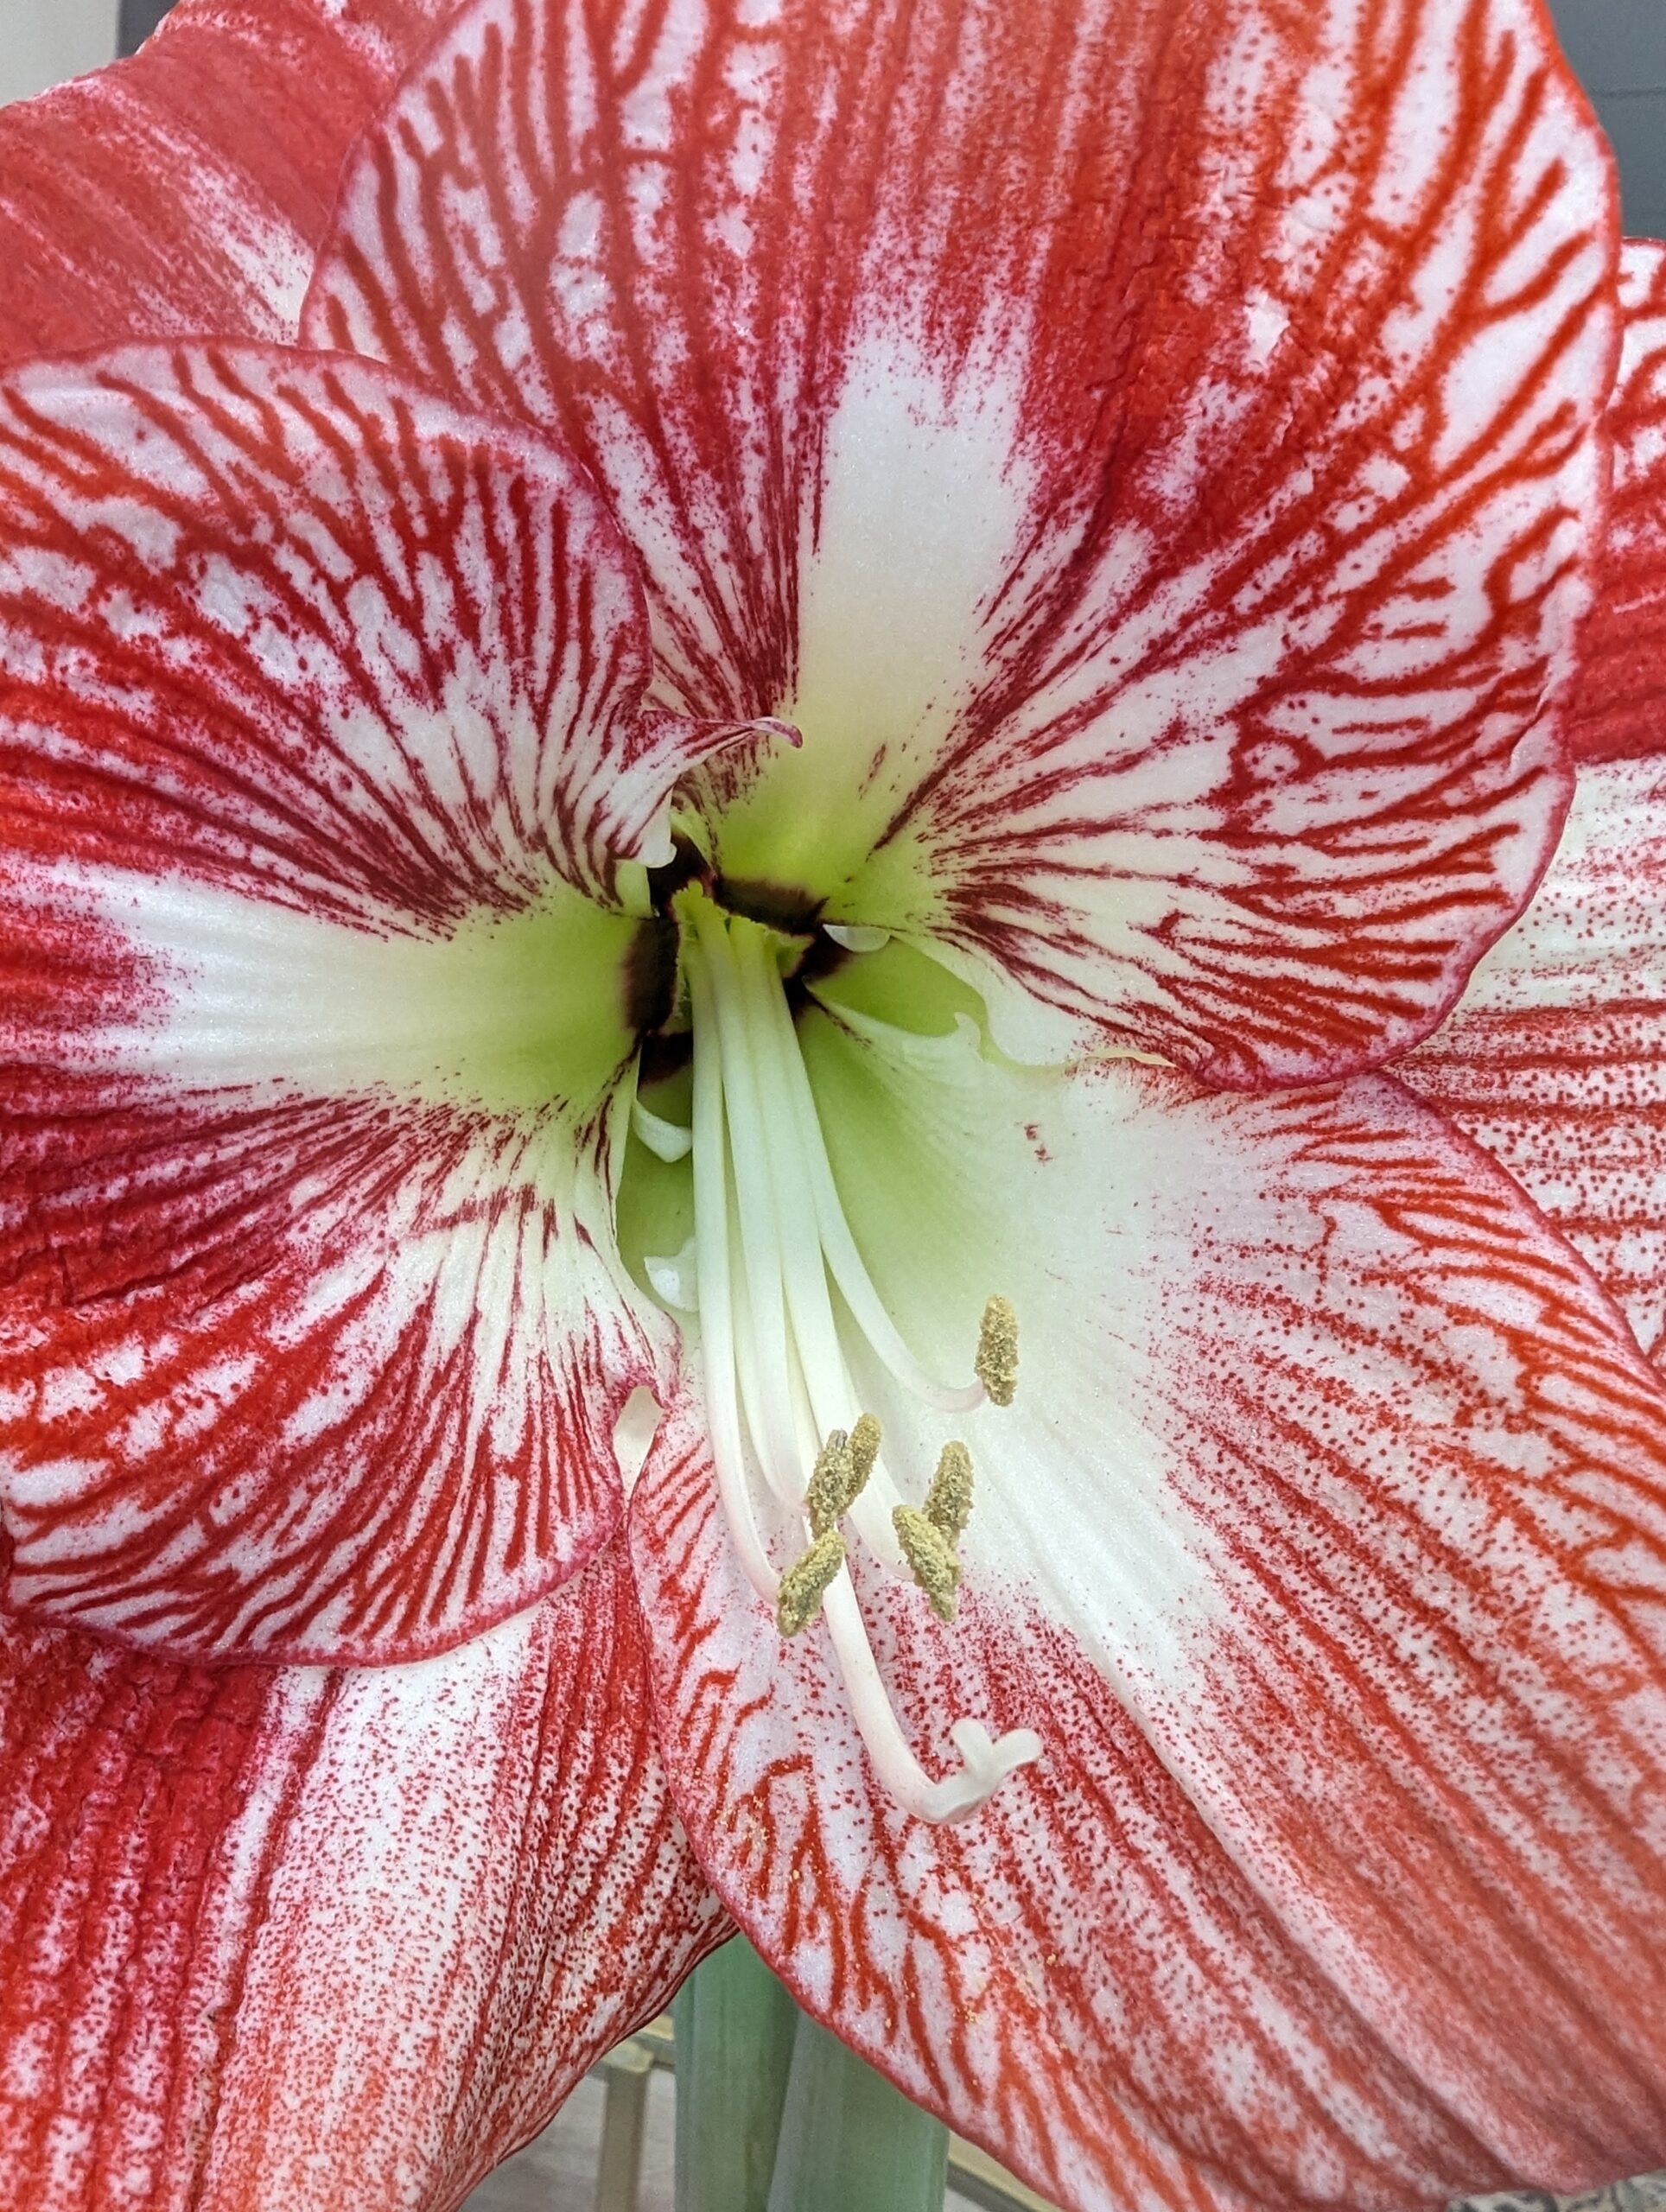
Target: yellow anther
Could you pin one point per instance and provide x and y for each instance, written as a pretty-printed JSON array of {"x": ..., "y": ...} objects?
[
  {"x": 864, "y": 1447},
  {"x": 997, "y": 1364},
  {"x": 805, "y": 1583},
  {"x": 931, "y": 1557},
  {"x": 832, "y": 1485},
  {"x": 949, "y": 1501}
]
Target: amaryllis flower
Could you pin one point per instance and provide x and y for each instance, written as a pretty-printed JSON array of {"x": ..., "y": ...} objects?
[{"x": 722, "y": 883}]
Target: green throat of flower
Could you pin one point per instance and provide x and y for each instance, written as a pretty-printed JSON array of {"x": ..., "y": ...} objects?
[{"x": 771, "y": 1251}]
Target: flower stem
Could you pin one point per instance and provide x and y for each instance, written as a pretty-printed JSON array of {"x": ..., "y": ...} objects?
[
  {"x": 774, "y": 2114},
  {"x": 848, "y": 2138},
  {"x": 733, "y": 2025}
]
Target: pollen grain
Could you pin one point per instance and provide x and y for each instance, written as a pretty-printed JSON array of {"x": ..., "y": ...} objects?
[
  {"x": 864, "y": 1447},
  {"x": 949, "y": 1501},
  {"x": 834, "y": 1484}
]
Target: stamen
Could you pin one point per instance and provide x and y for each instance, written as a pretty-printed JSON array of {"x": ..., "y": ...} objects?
[
  {"x": 715, "y": 1291},
  {"x": 949, "y": 1501},
  {"x": 666, "y": 1139},
  {"x": 805, "y": 1583},
  {"x": 759, "y": 1229},
  {"x": 841, "y": 1259},
  {"x": 932, "y": 1556},
  {"x": 772, "y": 1243},
  {"x": 996, "y": 1363}
]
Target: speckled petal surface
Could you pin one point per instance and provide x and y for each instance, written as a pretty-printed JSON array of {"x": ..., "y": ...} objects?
[{"x": 285, "y": 1941}]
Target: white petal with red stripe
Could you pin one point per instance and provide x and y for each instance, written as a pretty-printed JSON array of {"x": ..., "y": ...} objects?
[
  {"x": 1620, "y": 704},
  {"x": 322, "y": 723},
  {"x": 1332, "y": 1503},
  {"x": 281, "y": 1940},
  {"x": 1151, "y": 458},
  {"x": 298, "y": 626},
  {"x": 324, "y": 1377},
  {"x": 1555, "y": 1059}
]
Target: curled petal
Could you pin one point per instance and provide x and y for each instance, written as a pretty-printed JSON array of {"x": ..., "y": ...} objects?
[
  {"x": 187, "y": 190},
  {"x": 322, "y": 723},
  {"x": 1152, "y": 456},
  {"x": 285, "y": 1941}
]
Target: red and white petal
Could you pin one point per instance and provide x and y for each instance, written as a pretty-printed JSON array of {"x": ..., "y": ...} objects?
[
  {"x": 276, "y": 1940},
  {"x": 1079, "y": 1979},
  {"x": 187, "y": 190},
  {"x": 1153, "y": 459},
  {"x": 1330, "y": 1504},
  {"x": 296, "y": 626},
  {"x": 322, "y": 1379},
  {"x": 321, "y": 720},
  {"x": 1619, "y": 707},
  {"x": 1555, "y": 1059}
]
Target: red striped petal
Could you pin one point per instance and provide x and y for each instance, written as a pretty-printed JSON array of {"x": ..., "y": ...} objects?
[
  {"x": 187, "y": 190},
  {"x": 1080, "y": 1979},
  {"x": 1151, "y": 458},
  {"x": 321, "y": 714},
  {"x": 273, "y": 1940},
  {"x": 1555, "y": 1059},
  {"x": 1620, "y": 706},
  {"x": 328, "y": 1379},
  {"x": 1331, "y": 1503},
  {"x": 297, "y": 626}
]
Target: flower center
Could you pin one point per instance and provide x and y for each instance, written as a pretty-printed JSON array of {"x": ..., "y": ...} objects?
[{"x": 770, "y": 1249}]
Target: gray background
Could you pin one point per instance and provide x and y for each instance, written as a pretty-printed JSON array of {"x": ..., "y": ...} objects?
[{"x": 1618, "y": 46}]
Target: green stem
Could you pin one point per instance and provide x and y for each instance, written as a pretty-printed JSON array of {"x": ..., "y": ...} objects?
[
  {"x": 847, "y": 2138},
  {"x": 733, "y": 2025}
]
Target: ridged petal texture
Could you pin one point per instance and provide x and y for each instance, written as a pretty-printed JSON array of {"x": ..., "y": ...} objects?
[
  {"x": 186, "y": 190},
  {"x": 1149, "y": 449},
  {"x": 1323, "y": 1547},
  {"x": 1555, "y": 1057},
  {"x": 275, "y": 1940},
  {"x": 271, "y": 1937},
  {"x": 320, "y": 730},
  {"x": 1620, "y": 707}
]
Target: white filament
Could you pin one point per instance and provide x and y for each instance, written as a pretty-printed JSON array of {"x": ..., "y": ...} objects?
[
  {"x": 715, "y": 1291},
  {"x": 777, "y": 1379}
]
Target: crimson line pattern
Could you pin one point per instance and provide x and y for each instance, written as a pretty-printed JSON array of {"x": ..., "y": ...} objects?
[
  {"x": 211, "y": 1880},
  {"x": 1276, "y": 647}
]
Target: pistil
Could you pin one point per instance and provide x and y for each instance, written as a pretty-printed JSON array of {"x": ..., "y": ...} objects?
[{"x": 771, "y": 1244}]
